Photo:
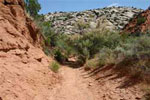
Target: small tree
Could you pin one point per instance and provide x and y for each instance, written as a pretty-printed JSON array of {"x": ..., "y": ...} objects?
[{"x": 32, "y": 7}]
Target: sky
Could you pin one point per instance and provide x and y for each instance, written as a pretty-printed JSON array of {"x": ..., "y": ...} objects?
[{"x": 80, "y": 5}]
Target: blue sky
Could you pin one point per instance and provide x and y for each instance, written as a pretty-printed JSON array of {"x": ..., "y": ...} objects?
[{"x": 80, "y": 5}]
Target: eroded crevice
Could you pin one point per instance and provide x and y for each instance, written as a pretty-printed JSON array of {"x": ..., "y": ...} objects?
[
  {"x": 13, "y": 11},
  {"x": 32, "y": 31},
  {"x": 7, "y": 3},
  {"x": 7, "y": 50}
]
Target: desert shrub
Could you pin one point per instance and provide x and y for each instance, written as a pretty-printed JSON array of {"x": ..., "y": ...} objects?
[
  {"x": 135, "y": 57},
  {"x": 54, "y": 66},
  {"x": 62, "y": 49},
  {"x": 63, "y": 43},
  {"x": 49, "y": 35},
  {"x": 59, "y": 56},
  {"x": 55, "y": 42},
  {"x": 92, "y": 63},
  {"x": 106, "y": 57},
  {"x": 32, "y": 7},
  {"x": 90, "y": 44},
  {"x": 82, "y": 25},
  {"x": 130, "y": 53},
  {"x": 57, "y": 45},
  {"x": 141, "y": 20}
]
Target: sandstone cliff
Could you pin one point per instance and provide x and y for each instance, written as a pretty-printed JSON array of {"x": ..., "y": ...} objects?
[{"x": 24, "y": 72}]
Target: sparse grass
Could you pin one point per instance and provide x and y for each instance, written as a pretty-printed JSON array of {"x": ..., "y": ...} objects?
[
  {"x": 92, "y": 63},
  {"x": 54, "y": 66}
]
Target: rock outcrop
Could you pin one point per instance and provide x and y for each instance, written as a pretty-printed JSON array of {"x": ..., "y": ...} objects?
[
  {"x": 78, "y": 22},
  {"x": 24, "y": 72},
  {"x": 139, "y": 24}
]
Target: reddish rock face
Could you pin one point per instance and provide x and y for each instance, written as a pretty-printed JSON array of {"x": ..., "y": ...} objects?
[
  {"x": 139, "y": 24},
  {"x": 24, "y": 72}
]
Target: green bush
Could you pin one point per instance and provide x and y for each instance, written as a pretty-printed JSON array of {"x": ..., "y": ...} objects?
[
  {"x": 54, "y": 67},
  {"x": 32, "y": 7},
  {"x": 135, "y": 59},
  {"x": 106, "y": 57},
  {"x": 92, "y": 63},
  {"x": 129, "y": 53},
  {"x": 91, "y": 43},
  {"x": 141, "y": 20},
  {"x": 59, "y": 56}
]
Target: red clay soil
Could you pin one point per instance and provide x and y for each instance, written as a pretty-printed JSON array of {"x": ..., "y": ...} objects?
[
  {"x": 24, "y": 72},
  {"x": 134, "y": 27},
  {"x": 77, "y": 84}
]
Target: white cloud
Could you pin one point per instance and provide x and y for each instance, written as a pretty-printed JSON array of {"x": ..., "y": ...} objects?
[{"x": 114, "y": 4}]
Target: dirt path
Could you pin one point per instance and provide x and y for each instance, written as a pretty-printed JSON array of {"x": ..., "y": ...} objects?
[
  {"x": 73, "y": 87},
  {"x": 76, "y": 85}
]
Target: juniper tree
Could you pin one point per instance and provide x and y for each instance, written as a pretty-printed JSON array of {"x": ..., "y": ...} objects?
[{"x": 32, "y": 7}]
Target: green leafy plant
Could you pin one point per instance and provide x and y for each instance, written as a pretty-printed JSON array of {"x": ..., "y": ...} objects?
[
  {"x": 59, "y": 56},
  {"x": 54, "y": 66},
  {"x": 141, "y": 20},
  {"x": 32, "y": 7}
]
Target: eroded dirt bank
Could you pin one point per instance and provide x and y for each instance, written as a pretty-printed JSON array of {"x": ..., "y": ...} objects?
[{"x": 24, "y": 72}]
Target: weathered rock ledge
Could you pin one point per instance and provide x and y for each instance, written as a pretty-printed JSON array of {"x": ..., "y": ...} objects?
[{"x": 77, "y": 22}]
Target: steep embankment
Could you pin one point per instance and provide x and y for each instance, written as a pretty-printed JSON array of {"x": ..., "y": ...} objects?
[
  {"x": 140, "y": 23},
  {"x": 79, "y": 22},
  {"x": 24, "y": 72}
]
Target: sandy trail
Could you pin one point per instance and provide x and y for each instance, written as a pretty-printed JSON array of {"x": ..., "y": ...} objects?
[
  {"x": 77, "y": 85},
  {"x": 73, "y": 86}
]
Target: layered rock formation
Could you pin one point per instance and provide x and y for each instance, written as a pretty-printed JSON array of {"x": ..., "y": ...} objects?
[
  {"x": 139, "y": 24},
  {"x": 24, "y": 72},
  {"x": 78, "y": 22}
]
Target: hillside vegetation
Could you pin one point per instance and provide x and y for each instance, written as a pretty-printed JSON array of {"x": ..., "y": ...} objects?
[{"x": 128, "y": 54}]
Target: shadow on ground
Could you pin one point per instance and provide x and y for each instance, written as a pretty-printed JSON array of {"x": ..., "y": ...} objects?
[
  {"x": 72, "y": 63},
  {"x": 111, "y": 73}
]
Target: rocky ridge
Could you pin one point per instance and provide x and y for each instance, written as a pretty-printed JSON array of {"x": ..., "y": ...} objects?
[
  {"x": 24, "y": 72},
  {"x": 79, "y": 22}
]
